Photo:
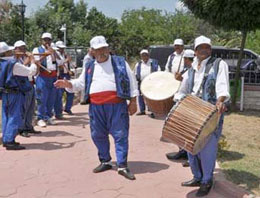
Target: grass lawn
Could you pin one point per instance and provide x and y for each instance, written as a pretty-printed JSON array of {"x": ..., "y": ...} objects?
[{"x": 240, "y": 161}]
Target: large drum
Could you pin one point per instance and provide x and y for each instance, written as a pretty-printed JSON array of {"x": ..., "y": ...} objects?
[
  {"x": 158, "y": 90},
  {"x": 190, "y": 124}
]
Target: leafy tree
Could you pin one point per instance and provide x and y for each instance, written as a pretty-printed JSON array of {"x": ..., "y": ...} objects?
[{"x": 240, "y": 15}]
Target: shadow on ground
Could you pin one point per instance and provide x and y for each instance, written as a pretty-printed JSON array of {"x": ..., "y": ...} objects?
[
  {"x": 140, "y": 167},
  {"x": 56, "y": 134},
  {"x": 243, "y": 178},
  {"x": 47, "y": 146},
  {"x": 225, "y": 155}
]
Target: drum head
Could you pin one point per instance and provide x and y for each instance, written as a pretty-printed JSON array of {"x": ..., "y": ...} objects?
[{"x": 159, "y": 85}]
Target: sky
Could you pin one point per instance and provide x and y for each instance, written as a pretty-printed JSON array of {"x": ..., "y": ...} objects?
[{"x": 111, "y": 8}]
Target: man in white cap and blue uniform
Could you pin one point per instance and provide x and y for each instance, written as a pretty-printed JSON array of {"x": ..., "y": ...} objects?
[
  {"x": 29, "y": 96},
  {"x": 45, "y": 90},
  {"x": 208, "y": 79},
  {"x": 109, "y": 84},
  {"x": 175, "y": 60},
  {"x": 13, "y": 87},
  {"x": 142, "y": 69}
]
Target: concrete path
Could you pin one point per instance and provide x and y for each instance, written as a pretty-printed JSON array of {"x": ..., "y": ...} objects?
[{"x": 58, "y": 164}]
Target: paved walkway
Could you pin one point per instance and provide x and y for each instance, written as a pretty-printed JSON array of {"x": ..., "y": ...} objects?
[{"x": 59, "y": 162}]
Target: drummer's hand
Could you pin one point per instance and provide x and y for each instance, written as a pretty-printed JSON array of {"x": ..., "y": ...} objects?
[
  {"x": 132, "y": 107},
  {"x": 178, "y": 76},
  {"x": 221, "y": 107},
  {"x": 63, "y": 84}
]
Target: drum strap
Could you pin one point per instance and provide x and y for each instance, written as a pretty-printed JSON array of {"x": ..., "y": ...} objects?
[{"x": 211, "y": 62}]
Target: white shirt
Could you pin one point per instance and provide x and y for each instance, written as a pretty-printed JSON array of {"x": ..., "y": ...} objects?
[
  {"x": 145, "y": 68},
  {"x": 50, "y": 65},
  {"x": 21, "y": 70},
  {"x": 175, "y": 63},
  {"x": 222, "y": 81},
  {"x": 62, "y": 62},
  {"x": 103, "y": 79}
]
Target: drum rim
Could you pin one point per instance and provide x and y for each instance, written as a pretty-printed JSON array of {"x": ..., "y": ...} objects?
[{"x": 163, "y": 72}]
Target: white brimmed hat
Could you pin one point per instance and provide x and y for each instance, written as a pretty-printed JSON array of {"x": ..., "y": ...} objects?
[
  {"x": 4, "y": 47},
  {"x": 188, "y": 53},
  {"x": 60, "y": 44},
  {"x": 53, "y": 46},
  {"x": 144, "y": 51},
  {"x": 178, "y": 42},
  {"x": 46, "y": 35},
  {"x": 98, "y": 42},
  {"x": 201, "y": 40},
  {"x": 19, "y": 43}
]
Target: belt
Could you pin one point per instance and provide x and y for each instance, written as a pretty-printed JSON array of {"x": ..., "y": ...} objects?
[{"x": 9, "y": 90}]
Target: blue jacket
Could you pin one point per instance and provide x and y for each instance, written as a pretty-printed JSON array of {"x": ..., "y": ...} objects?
[
  {"x": 10, "y": 82},
  {"x": 209, "y": 84},
  {"x": 154, "y": 67},
  {"x": 121, "y": 77}
]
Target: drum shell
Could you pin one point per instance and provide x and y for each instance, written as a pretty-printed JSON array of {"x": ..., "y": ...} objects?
[
  {"x": 196, "y": 137},
  {"x": 160, "y": 107}
]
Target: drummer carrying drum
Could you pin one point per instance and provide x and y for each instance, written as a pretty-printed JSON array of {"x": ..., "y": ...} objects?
[
  {"x": 208, "y": 79},
  {"x": 142, "y": 69}
]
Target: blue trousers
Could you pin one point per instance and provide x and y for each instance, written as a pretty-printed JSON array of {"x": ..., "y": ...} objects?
[
  {"x": 12, "y": 115},
  {"x": 29, "y": 109},
  {"x": 58, "y": 106},
  {"x": 45, "y": 95},
  {"x": 110, "y": 119},
  {"x": 203, "y": 164},
  {"x": 141, "y": 103}
]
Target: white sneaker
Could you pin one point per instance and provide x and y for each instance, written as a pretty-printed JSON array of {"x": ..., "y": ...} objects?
[
  {"x": 51, "y": 121},
  {"x": 41, "y": 123}
]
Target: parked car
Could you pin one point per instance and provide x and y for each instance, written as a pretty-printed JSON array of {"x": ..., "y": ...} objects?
[{"x": 250, "y": 67}]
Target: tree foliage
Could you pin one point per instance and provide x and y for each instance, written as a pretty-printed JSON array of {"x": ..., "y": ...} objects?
[{"x": 239, "y": 15}]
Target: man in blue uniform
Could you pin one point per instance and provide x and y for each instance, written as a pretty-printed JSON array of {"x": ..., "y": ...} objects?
[
  {"x": 207, "y": 79},
  {"x": 29, "y": 97},
  {"x": 13, "y": 87},
  {"x": 142, "y": 69},
  {"x": 109, "y": 84}
]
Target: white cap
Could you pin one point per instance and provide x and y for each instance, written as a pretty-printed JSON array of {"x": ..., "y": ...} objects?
[
  {"x": 53, "y": 46},
  {"x": 19, "y": 43},
  {"x": 178, "y": 42},
  {"x": 188, "y": 53},
  {"x": 98, "y": 42},
  {"x": 60, "y": 44},
  {"x": 201, "y": 40},
  {"x": 46, "y": 35},
  {"x": 4, "y": 47},
  {"x": 144, "y": 51}
]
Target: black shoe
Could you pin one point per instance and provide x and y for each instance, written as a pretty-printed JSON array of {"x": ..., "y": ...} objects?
[
  {"x": 186, "y": 164},
  {"x": 59, "y": 117},
  {"x": 13, "y": 146},
  {"x": 204, "y": 189},
  {"x": 83, "y": 103},
  {"x": 177, "y": 156},
  {"x": 152, "y": 115},
  {"x": 140, "y": 113},
  {"x": 24, "y": 134},
  {"x": 69, "y": 112},
  {"x": 191, "y": 183},
  {"x": 34, "y": 131},
  {"x": 102, "y": 167},
  {"x": 13, "y": 142},
  {"x": 126, "y": 173}
]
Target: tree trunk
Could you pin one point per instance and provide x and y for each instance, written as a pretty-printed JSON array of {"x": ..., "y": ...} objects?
[{"x": 237, "y": 75}]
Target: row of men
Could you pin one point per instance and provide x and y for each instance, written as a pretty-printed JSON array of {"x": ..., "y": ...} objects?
[
  {"x": 46, "y": 64},
  {"x": 111, "y": 89},
  {"x": 109, "y": 83}
]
